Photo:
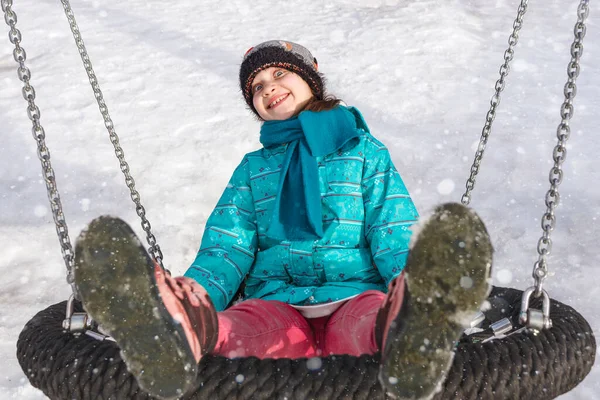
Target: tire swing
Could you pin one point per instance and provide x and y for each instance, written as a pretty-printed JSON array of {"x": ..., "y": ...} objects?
[{"x": 525, "y": 346}]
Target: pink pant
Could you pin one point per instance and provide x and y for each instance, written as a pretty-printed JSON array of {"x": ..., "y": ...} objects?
[{"x": 272, "y": 329}]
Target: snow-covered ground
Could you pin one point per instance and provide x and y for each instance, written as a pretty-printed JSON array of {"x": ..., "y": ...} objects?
[{"x": 422, "y": 72}]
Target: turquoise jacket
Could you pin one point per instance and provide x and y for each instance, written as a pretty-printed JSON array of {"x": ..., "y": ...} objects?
[{"x": 367, "y": 214}]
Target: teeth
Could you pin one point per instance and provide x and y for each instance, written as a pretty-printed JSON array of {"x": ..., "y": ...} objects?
[{"x": 278, "y": 100}]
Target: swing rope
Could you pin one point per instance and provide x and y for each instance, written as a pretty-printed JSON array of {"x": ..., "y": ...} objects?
[{"x": 520, "y": 366}]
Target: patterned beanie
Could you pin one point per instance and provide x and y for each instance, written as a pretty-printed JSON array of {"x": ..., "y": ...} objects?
[{"x": 283, "y": 54}]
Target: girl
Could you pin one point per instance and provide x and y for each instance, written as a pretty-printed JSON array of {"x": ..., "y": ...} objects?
[{"x": 313, "y": 230}]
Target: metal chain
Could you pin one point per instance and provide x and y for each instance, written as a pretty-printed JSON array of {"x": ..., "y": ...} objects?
[
  {"x": 495, "y": 101},
  {"x": 154, "y": 249},
  {"x": 33, "y": 112},
  {"x": 544, "y": 246}
]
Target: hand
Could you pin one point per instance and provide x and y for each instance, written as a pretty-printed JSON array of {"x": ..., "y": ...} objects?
[
  {"x": 181, "y": 286},
  {"x": 193, "y": 290}
]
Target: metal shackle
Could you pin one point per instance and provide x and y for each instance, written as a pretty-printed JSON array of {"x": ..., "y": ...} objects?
[
  {"x": 533, "y": 318},
  {"x": 75, "y": 322}
]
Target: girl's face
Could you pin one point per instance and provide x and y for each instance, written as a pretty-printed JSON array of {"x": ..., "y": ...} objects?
[{"x": 279, "y": 94}]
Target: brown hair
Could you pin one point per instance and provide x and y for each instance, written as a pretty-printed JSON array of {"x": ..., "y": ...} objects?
[{"x": 328, "y": 103}]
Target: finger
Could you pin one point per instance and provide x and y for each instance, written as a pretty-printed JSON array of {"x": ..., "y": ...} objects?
[
  {"x": 192, "y": 296},
  {"x": 158, "y": 274},
  {"x": 175, "y": 288}
]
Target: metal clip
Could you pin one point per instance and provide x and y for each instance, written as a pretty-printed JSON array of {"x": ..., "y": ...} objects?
[
  {"x": 504, "y": 335},
  {"x": 477, "y": 320},
  {"x": 501, "y": 327},
  {"x": 532, "y": 318},
  {"x": 98, "y": 336},
  {"x": 75, "y": 322}
]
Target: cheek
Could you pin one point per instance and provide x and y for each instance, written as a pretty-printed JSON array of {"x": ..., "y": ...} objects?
[
  {"x": 305, "y": 92},
  {"x": 256, "y": 101},
  {"x": 309, "y": 92},
  {"x": 302, "y": 89}
]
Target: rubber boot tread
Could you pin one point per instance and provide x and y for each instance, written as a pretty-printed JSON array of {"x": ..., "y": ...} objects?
[
  {"x": 448, "y": 270},
  {"x": 115, "y": 277}
]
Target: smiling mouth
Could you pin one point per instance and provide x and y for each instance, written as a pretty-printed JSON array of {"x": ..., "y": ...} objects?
[{"x": 278, "y": 101}]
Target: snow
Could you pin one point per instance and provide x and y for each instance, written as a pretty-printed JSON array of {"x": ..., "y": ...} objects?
[
  {"x": 422, "y": 73},
  {"x": 314, "y": 364}
]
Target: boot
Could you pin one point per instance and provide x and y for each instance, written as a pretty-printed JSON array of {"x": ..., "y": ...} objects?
[
  {"x": 448, "y": 278},
  {"x": 162, "y": 325}
]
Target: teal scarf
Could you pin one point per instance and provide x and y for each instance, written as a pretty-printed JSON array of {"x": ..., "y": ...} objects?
[{"x": 297, "y": 212}]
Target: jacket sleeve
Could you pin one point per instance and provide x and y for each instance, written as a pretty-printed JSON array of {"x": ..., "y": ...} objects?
[
  {"x": 229, "y": 242},
  {"x": 389, "y": 211}
]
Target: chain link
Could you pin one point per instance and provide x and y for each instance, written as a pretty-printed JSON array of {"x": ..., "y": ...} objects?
[
  {"x": 33, "y": 112},
  {"x": 154, "y": 248},
  {"x": 495, "y": 101},
  {"x": 559, "y": 154}
]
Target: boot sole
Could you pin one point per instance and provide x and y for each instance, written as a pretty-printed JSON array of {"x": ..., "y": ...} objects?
[
  {"x": 448, "y": 271},
  {"x": 115, "y": 277}
]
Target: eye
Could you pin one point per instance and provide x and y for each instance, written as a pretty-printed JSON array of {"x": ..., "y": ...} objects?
[
  {"x": 280, "y": 73},
  {"x": 257, "y": 88}
]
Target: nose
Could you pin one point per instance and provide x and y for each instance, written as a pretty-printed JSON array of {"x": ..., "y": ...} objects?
[{"x": 269, "y": 88}]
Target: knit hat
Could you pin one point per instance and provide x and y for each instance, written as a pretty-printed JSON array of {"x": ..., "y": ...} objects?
[{"x": 283, "y": 54}]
